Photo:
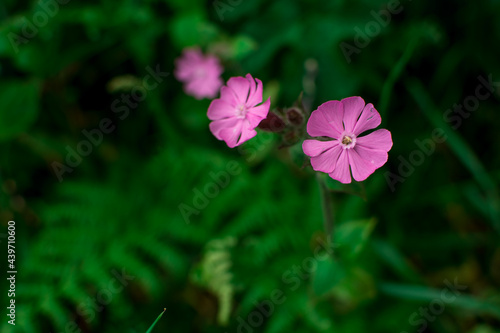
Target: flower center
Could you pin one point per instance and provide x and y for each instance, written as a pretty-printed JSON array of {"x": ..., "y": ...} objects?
[
  {"x": 348, "y": 140},
  {"x": 241, "y": 111}
]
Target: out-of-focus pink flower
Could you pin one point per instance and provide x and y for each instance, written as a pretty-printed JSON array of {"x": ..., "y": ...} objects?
[
  {"x": 200, "y": 74},
  {"x": 236, "y": 114},
  {"x": 343, "y": 121}
]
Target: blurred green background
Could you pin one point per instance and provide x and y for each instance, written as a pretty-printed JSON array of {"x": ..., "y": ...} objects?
[{"x": 247, "y": 260}]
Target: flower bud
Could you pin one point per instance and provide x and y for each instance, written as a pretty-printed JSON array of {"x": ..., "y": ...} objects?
[
  {"x": 295, "y": 116},
  {"x": 272, "y": 123}
]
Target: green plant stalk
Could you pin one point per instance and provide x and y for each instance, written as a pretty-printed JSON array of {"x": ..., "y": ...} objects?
[
  {"x": 327, "y": 206},
  {"x": 157, "y": 319}
]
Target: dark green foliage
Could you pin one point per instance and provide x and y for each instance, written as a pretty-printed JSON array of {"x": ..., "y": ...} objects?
[{"x": 138, "y": 204}]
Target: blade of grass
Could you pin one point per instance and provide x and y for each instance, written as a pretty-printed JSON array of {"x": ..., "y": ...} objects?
[
  {"x": 463, "y": 152},
  {"x": 157, "y": 319},
  {"x": 396, "y": 71},
  {"x": 426, "y": 294},
  {"x": 391, "y": 256}
]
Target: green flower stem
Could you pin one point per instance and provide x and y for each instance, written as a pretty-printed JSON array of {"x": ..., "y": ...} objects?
[{"x": 327, "y": 205}]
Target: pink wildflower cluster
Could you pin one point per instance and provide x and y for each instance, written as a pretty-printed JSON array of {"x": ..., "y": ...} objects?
[{"x": 337, "y": 147}]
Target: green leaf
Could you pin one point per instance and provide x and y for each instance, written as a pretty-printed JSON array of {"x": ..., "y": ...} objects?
[
  {"x": 18, "y": 107},
  {"x": 242, "y": 46},
  {"x": 357, "y": 286},
  {"x": 327, "y": 275},
  {"x": 351, "y": 237},
  {"x": 393, "y": 257},
  {"x": 192, "y": 30}
]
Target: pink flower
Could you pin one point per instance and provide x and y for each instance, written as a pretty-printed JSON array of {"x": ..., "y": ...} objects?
[
  {"x": 343, "y": 121},
  {"x": 236, "y": 114},
  {"x": 200, "y": 74}
]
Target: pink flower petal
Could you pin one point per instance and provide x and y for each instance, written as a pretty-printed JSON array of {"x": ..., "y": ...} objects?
[
  {"x": 228, "y": 95},
  {"x": 247, "y": 132},
  {"x": 318, "y": 126},
  {"x": 375, "y": 157},
  {"x": 240, "y": 87},
  {"x": 259, "y": 111},
  {"x": 255, "y": 95},
  {"x": 326, "y": 161},
  {"x": 379, "y": 140},
  {"x": 365, "y": 161},
  {"x": 341, "y": 171},
  {"x": 326, "y": 120},
  {"x": 183, "y": 72},
  {"x": 313, "y": 148},
  {"x": 234, "y": 136},
  {"x": 213, "y": 65},
  {"x": 219, "y": 109},
  {"x": 253, "y": 84},
  {"x": 369, "y": 119},
  {"x": 187, "y": 64},
  {"x": 353, "y": 106},
  {"x": 253, "y": 120},
  {"x": 214, "y": 87},
  {"x": 361, "y": 169},
  {"x": 193, "y": 54},
  {"x": 333, "y": 111},
  {"x": 218, "y": 125},
  {"x": 194, "y": 88},
  {"x": 203, "y": 88}
]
